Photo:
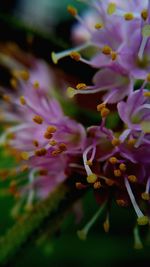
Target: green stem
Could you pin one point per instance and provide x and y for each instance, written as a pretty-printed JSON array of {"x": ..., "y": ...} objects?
[{"x": 29, "y": 225}]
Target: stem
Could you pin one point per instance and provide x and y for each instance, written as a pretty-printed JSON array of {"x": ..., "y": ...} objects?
[{"x": 28, "y": 226}]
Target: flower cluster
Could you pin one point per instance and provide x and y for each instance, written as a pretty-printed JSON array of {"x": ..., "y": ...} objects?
[
  {"x": 117, "y": 36},
  {"x": 113, "y": 163}
]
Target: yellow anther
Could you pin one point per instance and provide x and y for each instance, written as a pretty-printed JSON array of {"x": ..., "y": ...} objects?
[
  {"x": 56, "y": 152},
  {"x": 122, "y": 167},
  {"x": 24, "y": 74},
  {"x": 121, "y": 202},
  {"x": 98, "y": 26},
  {"x": 25, "y": 155},
  {"x": 75, "y": 55},
  {"x": 91, "y": 179},
  {"x": 115, "y": 142},
  {"x": 22, "y": 100},
  {"x": 145, "y": 196},
  {"x": 89, "y": 163},
  {"x": 148, "y": 78},
  {"x": 62, "y": 147},
  {"x": 13, "y": 83},
  {"x": 128, "y": 16},
  {"x": 81, "y": 86},
  {"x": 132, "y": 178},
  {"x": 36, "y": 84},
  {"x": 53, "y": 142},
  {"x": 6, "y": 98},
  {"x": 72, "y": 10},
  {"x": 143, "y": 220},
  {"x": 38, "y": 119},
  {"x": 144, "y": 14},
  {"x": 97, "y": 185},
  {"x": 147, "y": 94},
  {"x": 51, "y": 129},
  {"x": 35, "y": 143},
  {"x": 113, "y": 55},
  {"x": 48, "y": 135},
  {"x": 113, "y": 160},
  {"x": 104, "y": 112},
  {"x": 106, "y": 225},
  {"x": 106, "y": 50},
  {"x": 117, "y": 173},
  {"x": 131, "y": 142},
  {"x": 41, "y": 152},
  {"x": 101, "y": 106},
  {"x": 111, "y": 8}
]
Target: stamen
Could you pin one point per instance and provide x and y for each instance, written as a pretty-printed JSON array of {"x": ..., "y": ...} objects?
[
  {"x": 92, "y": 178},
  {"x": 81, "y": 86},
  {"x": 36, "y": 85},
  {"x": 25, "y": 155},
  {"x": 115, "y": 142},
  {"x": 122, "y": 167},
  {"x": 22, "y": 100},
  {"x": 113, "y": 160},
  {"x": 35, "y": 143},
  {"x": 38, "y": 119},
  {"x": 41, "y": 152},
  {"x": 72, "y": 10},
  {"x": 53, "y": 142},
  {"x": 6, "y": 98},
  {"x": 105, "y": 112},
  {"x": 132, "y": 178},
  {"x": 113, "y": 55},
  {"x": 106, "y": 224},
  {"x": 144, "y": 14},
  {"x": 82, "y": 234},
  {"x": 51, "y": 129},
  {"x": 137, "y": 241},
  {"x": 13, "y": 83},
  {"x": 98, "y": 26},
  {"x": 101, "y": 106},
  {"x": 106, "y": 50},
  {"x": 117, "y": 173},
  {"x": 141, "y": 220},
  {"x": 128, "y": 16},
  {"x": 111, "y": 8},
  {"x": 75, "y": 55},
  {"x": 146, "y": 195},
  {"x": 97, "y": 185},
  {"x": 86, "y": 166}
]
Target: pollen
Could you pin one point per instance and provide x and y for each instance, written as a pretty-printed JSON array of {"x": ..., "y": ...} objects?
[
  {"x": 75, "y": 55},
  {"x": 72, "y": 10},
  {"x": 145, "y": 196},
  {"x": 147, "y": 94},
  {"x": 36, "y": 84},
  {"x": 53, "y": 142},
  {"x": 35, "y": 143},
  {"x": 97, "y": 185},
  {"x": 143, "y": 220},
  {"x": 115, "y": 142},
  {"x": 41, "y": 152},
  {"x": 81, "y": 86},
  {"x": 104, "y": 112},
  {"x": 98, "y": 26},
  {"x": 106, "y": 50},
  {"x": 6, "y": 98},
  {"x": 122, "y": 167},
  {"x": 25, "y": 155},
  {"x": 113, "y": 55},
  {"x": 89, "y": 163},
  {"x": 51, "y": 129},
  {"x": 56, "y": 152},
  {"x": 121, "y": 202},
  {"x": 144, "y": 14},
  {"x": 62, "y": 147},
  {"x": 117, "y": 173},
  {"x": 22, "y": 100},
  {"x": 111, "y": 8},
  {"x": 128, "y": 16},
  {"x": 113, "y": 160},
  {"x": 131, "y": 142},
  {"x": 101, "y": 106},
  {"x": 48, "y": 135},
  {"x": 38, "y": 119},
  {"x": 132, "y": 178},
  {"x": 13, "y": 83},
  {"x": 92, "y": 178}
]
